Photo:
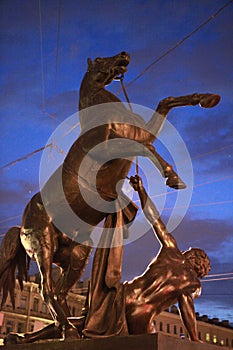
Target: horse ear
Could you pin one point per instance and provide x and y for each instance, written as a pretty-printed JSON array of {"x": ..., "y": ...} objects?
[{"x": 89, "y": 64}]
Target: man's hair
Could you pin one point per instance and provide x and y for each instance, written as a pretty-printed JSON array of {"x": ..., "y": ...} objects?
[{"x": 199, "y": 261}]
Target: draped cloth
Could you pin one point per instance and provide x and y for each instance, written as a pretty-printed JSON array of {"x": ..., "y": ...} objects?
[{"x": 106, "y": 314}]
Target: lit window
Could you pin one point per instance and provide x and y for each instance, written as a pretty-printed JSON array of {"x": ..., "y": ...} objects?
[
  {"x": 215, "y": 339},
  {"x": 222, "y": 342},
  {"x": 207, "y": 337}
]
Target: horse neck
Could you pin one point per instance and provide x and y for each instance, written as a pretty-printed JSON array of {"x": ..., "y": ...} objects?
[{"x": 92, "y": 93}]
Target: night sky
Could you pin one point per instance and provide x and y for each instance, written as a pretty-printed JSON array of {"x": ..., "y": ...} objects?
[{"x": 44, "y": 50}]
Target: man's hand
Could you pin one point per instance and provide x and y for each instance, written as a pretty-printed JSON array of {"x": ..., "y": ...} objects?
[{"x": 136, "y": 182}]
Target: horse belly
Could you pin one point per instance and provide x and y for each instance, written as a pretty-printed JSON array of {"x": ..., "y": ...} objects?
[
  {"x": 137, "y": 133},
  {"x": 109, "y": 177}
]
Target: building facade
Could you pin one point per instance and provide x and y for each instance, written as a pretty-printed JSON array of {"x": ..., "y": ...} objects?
[
  {"x": 211, "y": 331},
  {"x": 31, "y": 314}
]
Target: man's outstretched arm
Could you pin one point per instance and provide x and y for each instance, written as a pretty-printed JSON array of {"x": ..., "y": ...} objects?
[
  {"x": 188, "y": 316},
  {"x": 152, "y": 214}
]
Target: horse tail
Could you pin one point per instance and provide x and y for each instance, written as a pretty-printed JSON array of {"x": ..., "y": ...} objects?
[{"x": 12, "y": 256}]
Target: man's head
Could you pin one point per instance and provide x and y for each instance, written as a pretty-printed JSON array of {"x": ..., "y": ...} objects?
[{"x": 199, "y": 261}]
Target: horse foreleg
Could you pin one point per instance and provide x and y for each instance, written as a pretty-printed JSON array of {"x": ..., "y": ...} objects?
[
  {"x": 204, "y": 100},
  {"x": 146, "y": 149},
  {"x": 166, "y": 170},
  {"x": 156, "y": 123}
]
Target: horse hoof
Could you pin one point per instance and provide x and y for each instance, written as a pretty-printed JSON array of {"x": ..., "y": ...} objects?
[
  {"x": 14, "y": 338},
  {"x": 175, "y": 182},
  {"x": 209, "y": 100},
  {"x": 72, "y": 333}
]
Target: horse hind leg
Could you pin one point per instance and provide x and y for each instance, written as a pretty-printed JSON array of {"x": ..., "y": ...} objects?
[
  {"x": 49, "y": 332},
  {"x": 44, "y": 258},
  {"x": 79, "y": 257}
]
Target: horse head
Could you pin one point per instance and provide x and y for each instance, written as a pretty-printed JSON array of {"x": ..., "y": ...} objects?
[{"x": 104, "y": 70}]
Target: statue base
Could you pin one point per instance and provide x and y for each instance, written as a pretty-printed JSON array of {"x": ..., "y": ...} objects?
[{"x": 133, "y": 342}]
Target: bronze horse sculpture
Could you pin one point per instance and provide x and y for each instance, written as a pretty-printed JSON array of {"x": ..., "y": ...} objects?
[
  {"x": 172, "y": 276},
  {"x": 45, "y": 235}
]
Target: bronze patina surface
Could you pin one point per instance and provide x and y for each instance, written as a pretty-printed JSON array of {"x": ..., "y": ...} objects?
[{"x": 42, "y": 239}]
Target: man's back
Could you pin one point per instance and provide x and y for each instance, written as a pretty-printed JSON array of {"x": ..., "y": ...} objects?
[{"x": 168, "y": 276}]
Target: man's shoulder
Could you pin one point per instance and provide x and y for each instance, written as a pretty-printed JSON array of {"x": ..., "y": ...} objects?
[
  {"x": 172, "y": 253},
  {"x": 168, "y": 256}
]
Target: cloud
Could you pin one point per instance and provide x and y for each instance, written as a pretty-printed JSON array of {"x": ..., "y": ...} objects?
[
  {"x": 146, "y": 29},
  {"x": 206, "y": 234},
  {"x": 208, "y": 137},
  {"x": 214, "y": 236},
  {"x": 66, "y": 104},
  {"x": 215, "y": 304},
  {"x": 14, "y": 197}
]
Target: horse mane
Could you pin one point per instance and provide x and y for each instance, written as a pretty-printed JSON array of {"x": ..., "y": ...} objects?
[{"x": 12, "y": 257}]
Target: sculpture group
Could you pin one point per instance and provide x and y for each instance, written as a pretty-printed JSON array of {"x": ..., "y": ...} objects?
[{"x": 47, "y": 236}]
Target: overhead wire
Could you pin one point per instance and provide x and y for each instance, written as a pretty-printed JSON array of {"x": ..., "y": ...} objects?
[
  {"x": 195, "y": 186},
  {"x": 51, "y": 144},
  {"x": 56, "y": 74},
  {"x": 8, "y": 165},
  {"x": 212, "y": 151},
  {"x": 10, "y": 218},
  {"x": 218, "y": 279},
  {"x": 132, "y": 81},
  {"x": 42, "y": 60},
  {"x": 50, "y": 115},
  {"x": 193, "y": 205},
  {"x": 57, "y": 54},
  {"x": 204, "y": 23},
  {"x": 219, "y": 274},
  {"x": 201, "y": 204},
  {"x": 208, "y": 278}
]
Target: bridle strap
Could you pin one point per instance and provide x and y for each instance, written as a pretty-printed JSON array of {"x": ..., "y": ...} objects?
[
  {"x": 130, "y": 107},
  {"x": 125, "y": 93}
]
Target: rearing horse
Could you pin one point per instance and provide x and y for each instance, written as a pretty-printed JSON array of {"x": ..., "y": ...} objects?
[{"x": 47, "y": 232}]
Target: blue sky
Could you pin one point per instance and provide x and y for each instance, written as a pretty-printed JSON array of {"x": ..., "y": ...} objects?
[{"x": 145, "y": 29}]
